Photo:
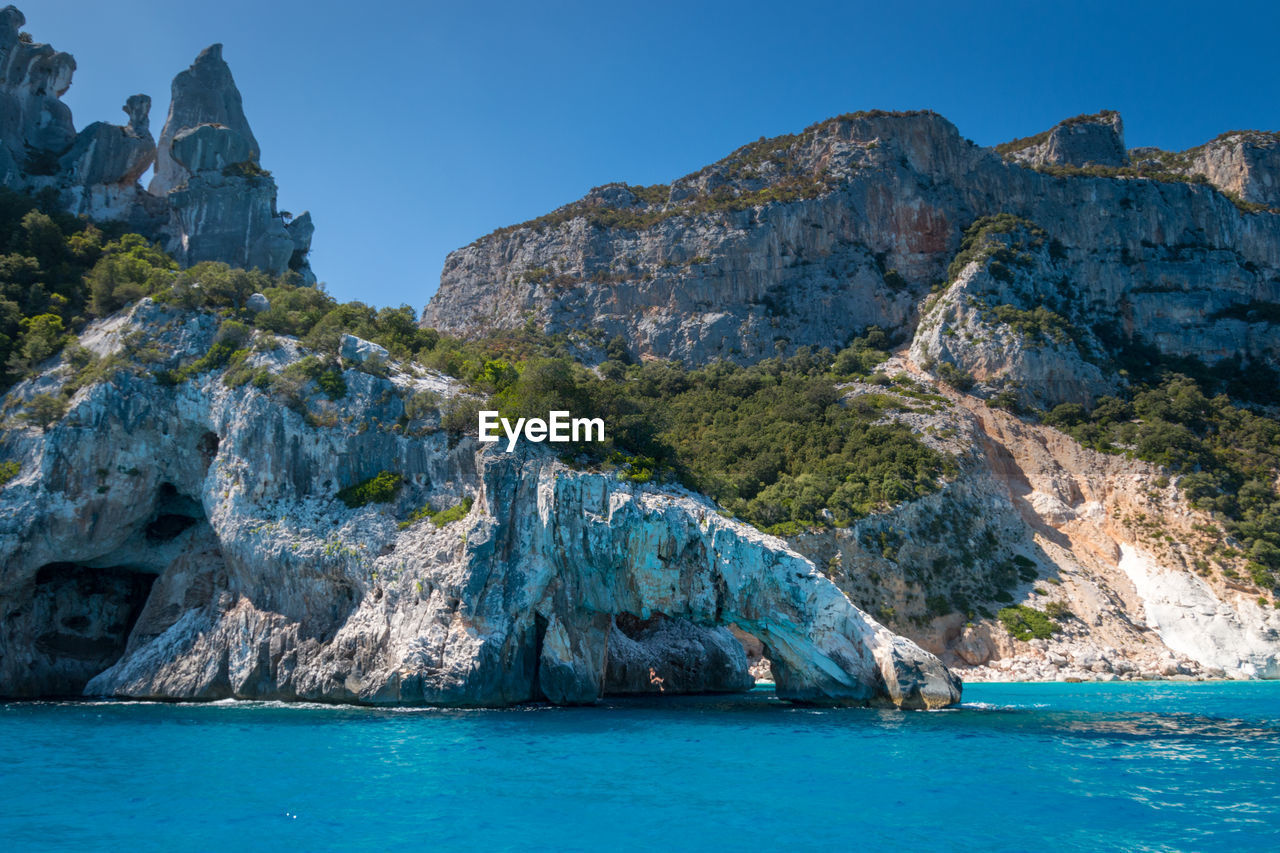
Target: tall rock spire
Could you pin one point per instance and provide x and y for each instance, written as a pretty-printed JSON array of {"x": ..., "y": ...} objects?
[
  {"x": 222, "y": 203},
  {"x": 205, "y": 93}
]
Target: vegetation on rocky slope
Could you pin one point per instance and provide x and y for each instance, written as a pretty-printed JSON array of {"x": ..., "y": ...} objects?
[
  {"x": 771, "y": 169},
  {"x": 1227, "y": 455},
  {"x": 774, "y": 443},
  {"x": 56, "y": 273}
]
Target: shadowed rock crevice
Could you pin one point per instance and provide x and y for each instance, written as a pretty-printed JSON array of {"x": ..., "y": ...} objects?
[
  {"x": 81, "y": 618},
  {"x": 664, "y": 655}
]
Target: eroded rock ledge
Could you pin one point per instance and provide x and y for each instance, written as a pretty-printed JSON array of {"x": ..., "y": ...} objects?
[{"x": 186, "y": 543}]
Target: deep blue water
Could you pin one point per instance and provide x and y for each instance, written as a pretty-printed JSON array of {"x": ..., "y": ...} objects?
[{"x": 1020, "y": 767}]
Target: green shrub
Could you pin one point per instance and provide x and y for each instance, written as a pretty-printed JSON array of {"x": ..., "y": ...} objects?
[
  {"x": 938, "y": 605},
  {"x": 1026, "y": 623},
  {"x": 43, "y": 409},
  {"x": 445, "y": 516},
  {"x": 8, "y": 470},
  {"x": 454, "y": 513},
  {"x": 461, "y": 416},
  {"x": 957, "y": 378},
  {"x": 421, "y": 404},
  {"x": 1039, "y": 324},
  {"x": 380, "y": 488},
  {"x": 332, "y": 383},
  {"x": 1057, "y": 611}
]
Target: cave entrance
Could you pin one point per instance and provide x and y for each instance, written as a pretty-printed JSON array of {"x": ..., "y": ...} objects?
[
  {"x": 79, "y": 616},
  {"x": 667, "y": 655},
  {"x": 85, "y": 615}
]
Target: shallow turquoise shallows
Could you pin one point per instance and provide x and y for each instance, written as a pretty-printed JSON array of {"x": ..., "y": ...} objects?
[{"x": 1018, "y": 767}]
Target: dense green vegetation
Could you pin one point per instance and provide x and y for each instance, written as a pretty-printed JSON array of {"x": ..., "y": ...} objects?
[
  {"x": 56, "y": 272},
  {"x": 381, "y": 488},
  {"x": 774, "y": 443},
  {"x": 1027, "y": 623}
]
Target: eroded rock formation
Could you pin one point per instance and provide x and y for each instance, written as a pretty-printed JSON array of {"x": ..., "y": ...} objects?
[
  {"x": 204, "y": 94},
  {"x": 1089, "y": 140},
  {"x": 209, "y": 200},
  {"x": 1246, "y": 163},
  {"x": 197, "y": 531}
]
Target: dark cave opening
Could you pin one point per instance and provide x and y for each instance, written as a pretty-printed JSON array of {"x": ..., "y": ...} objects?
[
  {"x": 174, "y": 513},
  {"x": 78, "y": 617},
  {"x": 87, "y": 613},
  {"x": 659, "y": 654}
]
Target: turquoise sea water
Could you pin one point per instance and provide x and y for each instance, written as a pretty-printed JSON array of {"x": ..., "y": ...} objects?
[{"x": 1019, "y": 767}]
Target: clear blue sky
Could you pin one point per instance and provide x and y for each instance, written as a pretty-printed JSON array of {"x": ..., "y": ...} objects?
[{"x": 411, "y": 128}]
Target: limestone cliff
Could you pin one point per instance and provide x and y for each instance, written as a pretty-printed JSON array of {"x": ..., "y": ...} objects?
[
  {"x": 209, "y": 200},
  {"x": 180, "y": 533},
  {"x": 188, "y": 542},
  {"x": 1089, "y": 140},
  {"x": 809, "y": 239}
]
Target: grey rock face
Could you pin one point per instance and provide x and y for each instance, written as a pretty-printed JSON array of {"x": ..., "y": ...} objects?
[
  {"x": 1091, "y": 140},
  {"x": 110, "y": 154},
  {"x": 102, "y": 169},
  {"x": 205, "y": 93},
  {"x": 228, "y": 218},
  {"x": 209, "y": 147},
  {"x": 1246, "y": 163},
  {"x": 35, "y": 126},
  {"x": 1012, "y": 327},
  {"x": 247, "y": 578},
  {"x": 301, "y": 229},
  {"x": 361, "y": 351},
  {"x": 95, "y": 171},
  {"x": 222, "y": 203},
  {"x": 738, "y": 259}
]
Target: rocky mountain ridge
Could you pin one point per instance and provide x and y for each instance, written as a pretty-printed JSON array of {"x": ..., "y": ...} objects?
[
  {"x": 807, "y": 240},
  {"x": 1028, "y": 276}
]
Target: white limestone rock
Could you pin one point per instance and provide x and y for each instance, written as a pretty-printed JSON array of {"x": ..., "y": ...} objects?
[{"x": 208, "y": 516}]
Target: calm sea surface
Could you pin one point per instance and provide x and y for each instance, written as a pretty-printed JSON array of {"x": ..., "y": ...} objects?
[{"x": 1018, "y": 767}]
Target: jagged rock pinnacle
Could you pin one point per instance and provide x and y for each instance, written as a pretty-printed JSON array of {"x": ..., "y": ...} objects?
[{"x": 205, "y": 93}]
